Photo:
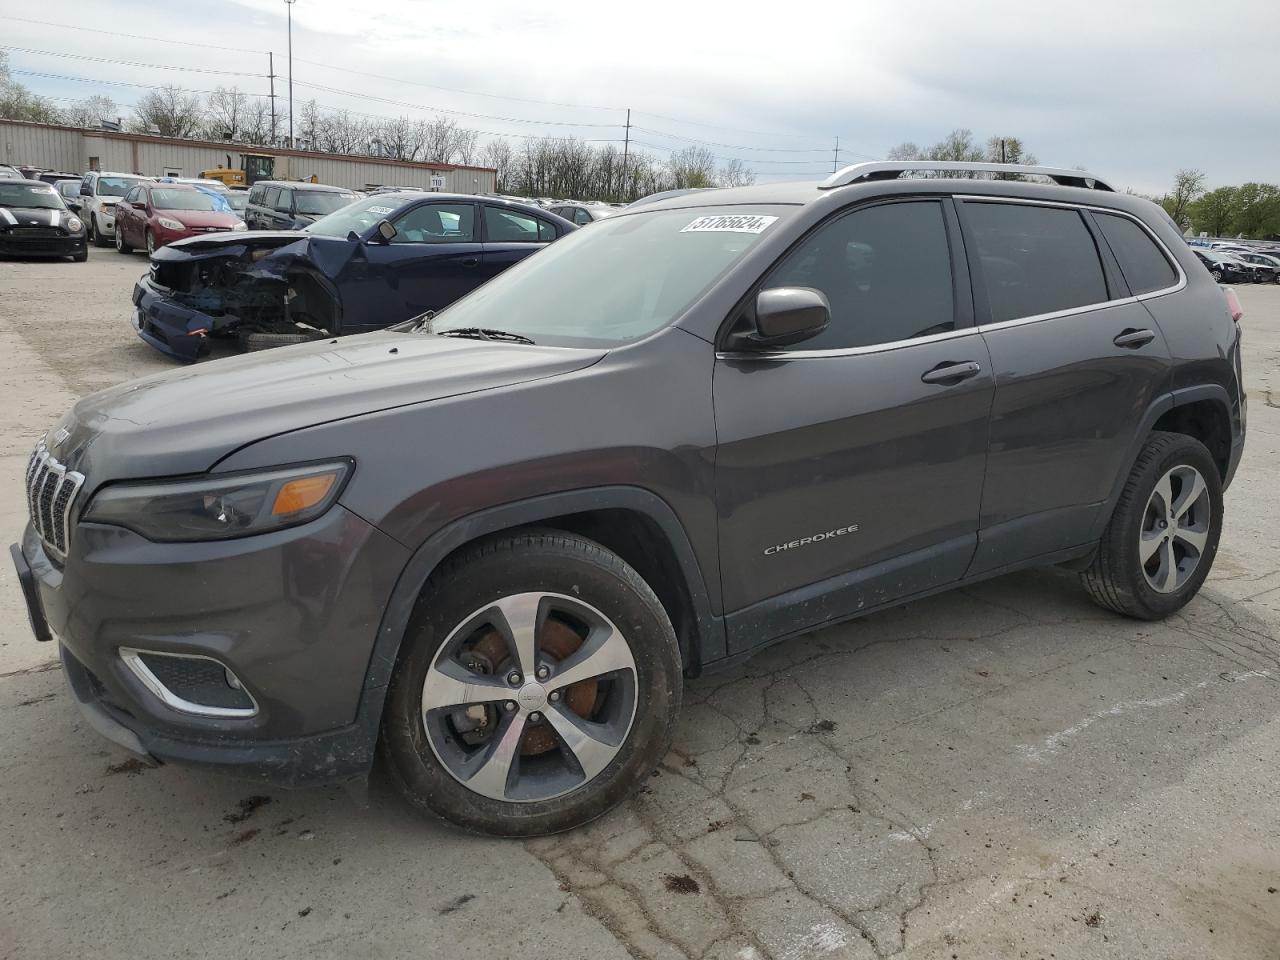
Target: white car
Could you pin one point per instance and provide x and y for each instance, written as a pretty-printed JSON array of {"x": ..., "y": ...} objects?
[{"x": 100, "y": 192}]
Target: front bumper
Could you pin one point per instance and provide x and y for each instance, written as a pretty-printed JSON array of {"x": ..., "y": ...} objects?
[
  {"x": 294, "y": 614},
  {"x": 167, "y": 325},
  {"x": 64, "y": 245}
]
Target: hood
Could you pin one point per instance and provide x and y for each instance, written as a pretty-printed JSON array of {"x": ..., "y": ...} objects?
[
  {"x": 201, "y": 218},
  {"x": 107, "y": 200},
  {"x": 32, "y": 217},
  {"x": 185, "y": 421}
]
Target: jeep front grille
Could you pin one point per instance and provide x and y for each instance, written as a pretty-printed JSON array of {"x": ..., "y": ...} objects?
[{"x": 51, "y": 494}]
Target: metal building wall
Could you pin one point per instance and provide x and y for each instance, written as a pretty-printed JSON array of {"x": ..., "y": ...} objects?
[{"x": 76, "y": 151}]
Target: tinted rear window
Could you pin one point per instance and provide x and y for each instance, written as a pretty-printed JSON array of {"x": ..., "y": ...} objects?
[
  {"x": 1035, "y": 259},
  {"x": 1143, "y": 265}
]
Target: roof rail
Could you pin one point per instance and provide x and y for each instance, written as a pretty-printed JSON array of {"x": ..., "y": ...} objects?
[{"x": 892, "y": 169}]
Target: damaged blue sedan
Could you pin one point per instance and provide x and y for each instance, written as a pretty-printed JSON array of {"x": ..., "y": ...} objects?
[{"x": 372, "y": 264}]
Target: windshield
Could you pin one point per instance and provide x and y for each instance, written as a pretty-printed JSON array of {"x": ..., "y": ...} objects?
[
  {"x": 116, "y": 186},
  {"x": 30, "y": 194},
  {"x": 68, "y": 188},
  {"x": 238, "y": 199},
  {"x": 358, "y": 216},
  {"x": 182, "y": 200},
  {"x": 619, "y": 281},
  {"x": 315, "y": 203}
]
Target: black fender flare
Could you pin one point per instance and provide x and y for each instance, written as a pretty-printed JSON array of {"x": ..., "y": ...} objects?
[
  {"x": 708, "y": 641},
  {"x": 1158, "y": 408}
]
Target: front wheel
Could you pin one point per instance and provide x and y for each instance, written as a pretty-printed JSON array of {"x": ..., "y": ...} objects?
[
  {"x": 1163, "y": 536},
  {"x": 121, "y": 246},
  {"x": 99, "y": 239},
  {"x": 537, "y": 687},
  {"x": 1217, "y": 275},
  {"x": 151, "y": 242}
]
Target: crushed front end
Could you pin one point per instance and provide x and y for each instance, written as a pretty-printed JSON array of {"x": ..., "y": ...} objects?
[{"x": 206, "y": 288}]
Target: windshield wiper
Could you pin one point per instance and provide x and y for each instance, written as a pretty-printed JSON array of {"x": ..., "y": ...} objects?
[{"x": 485, "y": 333}]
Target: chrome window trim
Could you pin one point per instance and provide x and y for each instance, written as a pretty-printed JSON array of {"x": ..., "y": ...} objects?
[
  {"x": 132, "y": 658},
  {"x": 843, "y": 351}
]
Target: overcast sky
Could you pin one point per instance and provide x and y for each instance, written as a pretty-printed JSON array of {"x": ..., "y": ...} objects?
[{"x": 1131, "y": 89}]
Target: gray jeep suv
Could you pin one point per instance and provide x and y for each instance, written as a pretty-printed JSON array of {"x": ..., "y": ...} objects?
[{"x": 494, "y": 542}]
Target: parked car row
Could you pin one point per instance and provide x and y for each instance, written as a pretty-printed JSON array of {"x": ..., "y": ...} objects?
[{"x": 1227, "y": 267}]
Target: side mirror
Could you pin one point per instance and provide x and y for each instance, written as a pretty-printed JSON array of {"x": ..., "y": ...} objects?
[
  {"x": 386, "y": 231},
  {"x": 86, "y": 190},
  {"x": 786, "y": 315}
]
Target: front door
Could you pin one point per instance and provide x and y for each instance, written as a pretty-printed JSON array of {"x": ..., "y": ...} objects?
[
  {"x": 1077, "y": 363},
  {"x": 433, "y": 259},
  {"x": 849, "y": 467}
]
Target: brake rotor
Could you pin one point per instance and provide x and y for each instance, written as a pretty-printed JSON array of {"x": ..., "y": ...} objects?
[{"x": 557, "y": 641}]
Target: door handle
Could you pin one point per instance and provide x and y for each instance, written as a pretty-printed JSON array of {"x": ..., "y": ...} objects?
[
  {"x": 469, "y": 261},
  {"x": 949, "y": 373},
  {"x": 1134, "y": 338}
]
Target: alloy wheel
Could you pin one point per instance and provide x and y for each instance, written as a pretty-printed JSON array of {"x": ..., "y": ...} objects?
[
  {"x": 1175, "y": 529},
  {"x": 151, "y": 243},
  {"x": 530, "y": 697}
]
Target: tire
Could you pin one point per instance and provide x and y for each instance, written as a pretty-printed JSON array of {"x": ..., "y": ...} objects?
[
  {"x": 98, "y": 239},
  {"x": 82, "y": 256},
  {"x": 562, "y": 577},
  {"x": 121, "y": 246},
  {"x": 151, "y": 242},
  {"x": 1217, "y": 275},
  {"x": 255, "y": 341},
  {"x": 1180, "y": 554}
]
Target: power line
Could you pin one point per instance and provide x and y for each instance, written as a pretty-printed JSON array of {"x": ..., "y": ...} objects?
[
  {"x": 125, "y": 83},
  {"x": 129, "y": 36},
  {"x": 127, "y": 63}
]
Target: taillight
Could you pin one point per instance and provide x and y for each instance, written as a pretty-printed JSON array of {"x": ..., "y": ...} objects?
[{"x": 1233, "y": 304}]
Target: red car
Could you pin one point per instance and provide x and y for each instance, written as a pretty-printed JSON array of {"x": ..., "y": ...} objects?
[{"x": 153, "y": 214}]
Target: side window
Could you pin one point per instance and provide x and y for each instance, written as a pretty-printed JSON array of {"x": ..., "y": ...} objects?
[
  {"x": 1144, "y": 266},
  {"x": 581, "y": 217},
  {"x": 255, "y": 195},
  {"x": 437, "y": 223},
  {"x": 1034, "y": 259},
  {"x": 284, "y": 202},
  {"x": 134, "y": 195},
  {"x": 511, "y": 226},
  {"x": 270, "y": 197},
  {"x": 886, "y": 270}
]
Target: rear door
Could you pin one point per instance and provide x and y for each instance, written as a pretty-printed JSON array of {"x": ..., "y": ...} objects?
[
  {"x": 1078, "y": 361},
  {"x": 849, "y": 467},
  {"x": 509, "y": 236}
]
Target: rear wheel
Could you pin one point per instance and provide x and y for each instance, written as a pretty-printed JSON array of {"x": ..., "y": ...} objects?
[
  {"x": 1163, "y": 536},
  {"x": 537, "y": 687}
]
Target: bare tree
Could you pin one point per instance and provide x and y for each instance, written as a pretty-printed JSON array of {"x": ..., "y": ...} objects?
[
  {"x": 19, "y": 103},
  {"x": 905, "y": 151},
  {"x": 257, "y": 123},
  {"x": 692, "y": 167},
  {"x": 226, "y": 113},
  {"x": 498, "y": 154},
  {"x": 734, "y": 173},
  {"x": 89, "y": 112},
  {"x": 169, "y": 111},
  {"x": 1188, "y": 187}
]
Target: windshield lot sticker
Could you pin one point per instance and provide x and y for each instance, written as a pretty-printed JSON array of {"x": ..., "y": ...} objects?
[
  {"x": 381, "y": 209},
  {"x": 735, "y": 224}
]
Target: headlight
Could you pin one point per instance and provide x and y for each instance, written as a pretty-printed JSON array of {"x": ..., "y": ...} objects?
[
  {"x": 170, "y": 224},
  {"x": 73, "y": 224},
  {"x": 239, "y": 226},
  {"x": 221, "y": 507}
]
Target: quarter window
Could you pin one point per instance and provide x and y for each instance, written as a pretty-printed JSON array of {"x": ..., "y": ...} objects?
[
  {"x": 886, "y": 270},
  {"x": 437, "y": 223},
  {"x": 1034, "y": 259},
  {"x": 1144, "y": 267},
  {"x": 508, "y": 226}
]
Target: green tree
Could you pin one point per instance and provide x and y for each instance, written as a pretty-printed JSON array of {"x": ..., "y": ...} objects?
[
  {"x": 1215, "y": 213},
  {"x": 1188, "y": 187},
  {"x": 1257, "y": 210}
]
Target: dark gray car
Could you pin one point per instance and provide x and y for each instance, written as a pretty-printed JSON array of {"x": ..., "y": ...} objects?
[
  {"x": 494, "y": 543},
  {"x": 286, "y": 205}
]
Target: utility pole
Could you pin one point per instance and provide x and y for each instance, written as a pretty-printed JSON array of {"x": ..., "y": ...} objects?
[
  {"x": 271, "y": 75},
  {"x": 626, "y": 146},
  {"x": 835, "y": 160},
  {"x": 289, "y": 7}
]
